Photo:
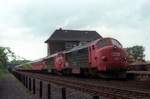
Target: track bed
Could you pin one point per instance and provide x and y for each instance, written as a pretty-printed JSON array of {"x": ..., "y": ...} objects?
[{"x": 112, "y": 88}]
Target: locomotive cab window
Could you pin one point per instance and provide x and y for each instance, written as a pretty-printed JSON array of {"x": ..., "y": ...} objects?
[
  {"x": 103, "y": 42},
  {"x": 116, "y": 43}
]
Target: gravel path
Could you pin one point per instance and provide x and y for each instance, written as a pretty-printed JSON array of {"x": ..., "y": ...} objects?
[{"x": 11, "y": 88}]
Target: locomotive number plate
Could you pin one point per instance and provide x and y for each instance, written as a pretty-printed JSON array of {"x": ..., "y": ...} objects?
[{"x": 116, "y": 54}]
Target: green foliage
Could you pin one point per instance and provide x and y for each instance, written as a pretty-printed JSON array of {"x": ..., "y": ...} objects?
[
  {"x": 2, "y": 70},
  {"x": 3, "y": 57},
  {"x": 5, "y": 54},
  {"x": 137, "y": 52},
  {"x": 3, "y": 60}
]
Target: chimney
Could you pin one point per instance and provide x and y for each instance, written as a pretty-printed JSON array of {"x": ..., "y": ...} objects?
[{"x": 60, "y": 28}]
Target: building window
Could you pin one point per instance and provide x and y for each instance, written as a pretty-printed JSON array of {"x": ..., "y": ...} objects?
[{"x": 69, "y": 45}]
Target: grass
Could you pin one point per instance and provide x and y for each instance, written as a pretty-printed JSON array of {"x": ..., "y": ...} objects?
[{"x": 2, "y": 71}]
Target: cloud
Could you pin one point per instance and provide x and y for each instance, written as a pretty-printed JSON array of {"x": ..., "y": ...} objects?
[
  {"x": 26, "y": 24},
  {"x": 23, "y": 42}
]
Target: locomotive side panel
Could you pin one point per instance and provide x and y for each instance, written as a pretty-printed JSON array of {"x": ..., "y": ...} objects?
[
  {"x": 82, "y": 58},
  {"x": 78, "y": 59}
]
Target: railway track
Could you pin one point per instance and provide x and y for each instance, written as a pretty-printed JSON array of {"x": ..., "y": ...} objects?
[
  {"x": 98, "y": 88},
  {"x": 139, "y": 75}
]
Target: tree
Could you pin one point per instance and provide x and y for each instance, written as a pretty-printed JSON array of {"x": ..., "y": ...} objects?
[
  {"x": 3, "y": 60},
  {"x": 137, "y": 52},
  {"x": 3, "y": 57},
  {"x": 7, "y": 56}
]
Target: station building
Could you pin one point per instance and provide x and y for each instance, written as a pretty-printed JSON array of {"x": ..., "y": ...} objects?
[{"x": 62, "y": 39}]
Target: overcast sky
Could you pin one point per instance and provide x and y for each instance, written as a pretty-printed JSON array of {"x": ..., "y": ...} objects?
[{"x": 26, "y": 24}]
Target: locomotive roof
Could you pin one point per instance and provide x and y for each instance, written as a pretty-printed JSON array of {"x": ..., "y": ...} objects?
[{"x": 73, "y": 35}]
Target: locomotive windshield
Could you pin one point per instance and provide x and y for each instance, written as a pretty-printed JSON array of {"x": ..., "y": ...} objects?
[
  {"x": 103, "y": 42},
  {"x": 116, "y": 43},
  {"x": 108, "y": 41}
]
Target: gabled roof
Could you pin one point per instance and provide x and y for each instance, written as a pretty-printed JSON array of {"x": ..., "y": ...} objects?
[{"x": 73, "y": 35}]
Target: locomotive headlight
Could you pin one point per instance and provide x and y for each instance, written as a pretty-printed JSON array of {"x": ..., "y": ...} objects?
[
  {"x": 104, "y": 58},
  {"x": 114, "y": 47},
  {"x": 125, "y": 59}
]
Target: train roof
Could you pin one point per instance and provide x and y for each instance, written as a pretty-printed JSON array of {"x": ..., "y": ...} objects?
[
  {"x": 82, "y": 46},
  {"x": 52, "y": 55},
  {"x": 78, "y": 47}
]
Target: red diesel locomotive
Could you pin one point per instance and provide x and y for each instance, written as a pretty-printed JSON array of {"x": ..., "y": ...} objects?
[{"x": 100, "y": 56}]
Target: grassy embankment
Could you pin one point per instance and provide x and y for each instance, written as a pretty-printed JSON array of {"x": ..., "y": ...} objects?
[{"x": 2, "y": 71}]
